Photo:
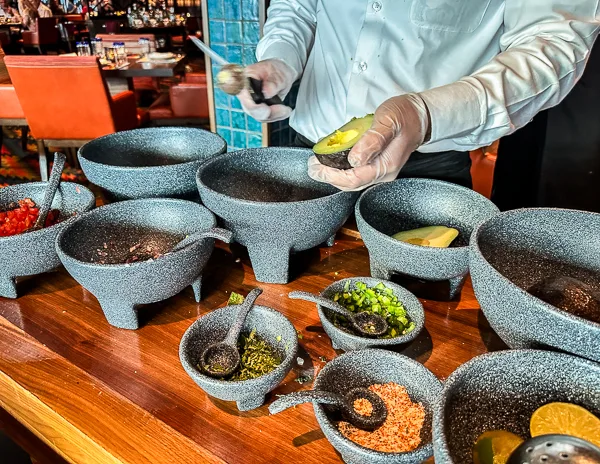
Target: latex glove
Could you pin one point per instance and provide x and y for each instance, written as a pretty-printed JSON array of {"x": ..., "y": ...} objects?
[
  {"x": 277, "y": 78},
  {"x": 399, "y": 127}
]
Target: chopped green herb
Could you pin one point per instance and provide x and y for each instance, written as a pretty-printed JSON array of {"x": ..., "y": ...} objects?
[
  {"x": 304, "y": 379},
  {"x": 323, "y": 359},
  {"x": 278, "y": 338},
  {"x": 258, "y": 357},
  {"x": 235, "y": 299},
  {"x": 376, "y": 300},
  {"x": 300, "y": 336}
]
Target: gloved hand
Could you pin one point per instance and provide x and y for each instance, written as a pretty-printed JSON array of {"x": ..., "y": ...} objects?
[
  {"x": 399, "y": 127},
  {"x": 277, "y": 78}
]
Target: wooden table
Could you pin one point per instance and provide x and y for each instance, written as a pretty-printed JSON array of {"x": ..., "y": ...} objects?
[
  {"x": 93, "y": 393},
  {"x": 122, "y": 78}
]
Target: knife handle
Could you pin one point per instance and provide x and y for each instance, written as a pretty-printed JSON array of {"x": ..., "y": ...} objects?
[{"x": 255, "y": 88}]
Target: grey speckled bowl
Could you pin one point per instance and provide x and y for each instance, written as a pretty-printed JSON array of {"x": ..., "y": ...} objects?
[
  {"x": 266, "y": 198},
  {"x": 149, "y": 163},
  {"x": 271, "y": 325},
  {"x": 513, "y": 251},
  {"x": 346, "y": 341},
  {"x": 33, "y": 253},
  {"x": 500, "y": 391},
  {"x": 160, "y": 223},
  {"x": 364, "y": 368},
  {"x": 405, "y": 204}
]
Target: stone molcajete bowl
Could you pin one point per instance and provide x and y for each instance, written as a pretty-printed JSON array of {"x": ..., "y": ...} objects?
[
  {"x": 265, "y": 197},
  {"x": 33, "y": 253},
  {"x": 500, "y": 391},
  {"x": 269, "y": 324},
  {"x": 91, "y": 247},
  {"x": 518, "y": 249},
  {"x": 346, "y": 341},
  {"x": 405, "y": 204},
  {"x": 149, "y": 163},
  {"x": 364, "y": 368}
]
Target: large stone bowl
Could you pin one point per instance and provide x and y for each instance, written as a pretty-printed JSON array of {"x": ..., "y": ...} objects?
[
  {"x": 347, "y": 341},
  {"x": 265, "y": 197},
  {"x": 157, "y": 223},
  {"x": 405, "y": 204},
  {"x": 33, "y": 252},
  {"x": 364, "y": 368},
  {"x": 269, "y": 324},
  {"x": 500, "y": 391},
  {"x": 149, "y": 163},
  {"x": 517, "y": 249}
]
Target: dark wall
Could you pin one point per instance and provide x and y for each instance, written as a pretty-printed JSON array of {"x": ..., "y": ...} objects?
[{"x": 570, "y": 172}]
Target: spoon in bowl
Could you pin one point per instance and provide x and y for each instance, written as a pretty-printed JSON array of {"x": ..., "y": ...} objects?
[
  {"x": 223, "y": 358},
  {"x": 216, "y": 232},
  {"x": 366, "y": 324},
  {"x": 345, "y": 403},
  {"x": 555, "y": 449},
  {"x": 50, "y": 193}
]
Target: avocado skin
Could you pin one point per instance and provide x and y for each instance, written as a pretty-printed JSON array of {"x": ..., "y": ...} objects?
[{"x": 335, "y": 160}]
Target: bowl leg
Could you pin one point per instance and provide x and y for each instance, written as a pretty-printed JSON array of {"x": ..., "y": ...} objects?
[
  {"x": 248, "y": 404},
  {"x": 379, "y": 271},
  {"x": 271, "y": 262},
  {"x": 120, "y": 314},
  {"x": 456, "y": 285},
  {"x": 197, "y": 286},
  {"x": 330, "y": 241},
  {"x": 8, "y": 287}
]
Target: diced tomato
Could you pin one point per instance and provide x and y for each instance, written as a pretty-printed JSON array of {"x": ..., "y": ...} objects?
[{"x": 18, "y": 220}]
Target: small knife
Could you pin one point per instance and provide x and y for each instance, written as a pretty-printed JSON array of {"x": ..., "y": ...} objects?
[{"x": 254, "y": 85}]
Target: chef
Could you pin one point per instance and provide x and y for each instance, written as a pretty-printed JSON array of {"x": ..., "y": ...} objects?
[{"x": 443, "y": 77}]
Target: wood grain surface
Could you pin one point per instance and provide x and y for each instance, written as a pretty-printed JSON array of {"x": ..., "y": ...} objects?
[{"x": 93, "y": 393}]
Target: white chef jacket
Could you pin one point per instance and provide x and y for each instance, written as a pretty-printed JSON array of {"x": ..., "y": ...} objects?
[{"x": 483, "y": 67}]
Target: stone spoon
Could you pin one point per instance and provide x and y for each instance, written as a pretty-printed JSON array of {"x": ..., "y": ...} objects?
[
  {"x": 345, "y": 404},
  {"x": 223, "y": 235},
  {"x": 223, "y": 358},
  {"x": 367, "y": 324},
  {"x": 51, "y": 188},
  {"x": 555, "y": 449}
]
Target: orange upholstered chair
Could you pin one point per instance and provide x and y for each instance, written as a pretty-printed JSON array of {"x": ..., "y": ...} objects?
[
  {"x": 66, "y": 101},
  {"x": 11, "y": 113},
  {"x": 47, "y": 34},
  {"x": 187, "y": 100},
  {"x": 483, "y": 164}
]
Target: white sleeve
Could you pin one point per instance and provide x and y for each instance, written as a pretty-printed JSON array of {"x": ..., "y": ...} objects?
[
  {"x": 545, "y": 47},
  {"x": 289, "y": 32}
]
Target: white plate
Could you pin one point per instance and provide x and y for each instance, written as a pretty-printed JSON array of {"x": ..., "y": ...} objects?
[{"x": 156, "y": 56}]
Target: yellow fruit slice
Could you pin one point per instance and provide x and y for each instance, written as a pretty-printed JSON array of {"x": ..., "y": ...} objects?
[
  {"x": 567, "y": 419},
  {"x": 495, "y": 447}
]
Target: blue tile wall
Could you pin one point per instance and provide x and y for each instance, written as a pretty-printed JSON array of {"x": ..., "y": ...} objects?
[{"x": 234, "y": 31}]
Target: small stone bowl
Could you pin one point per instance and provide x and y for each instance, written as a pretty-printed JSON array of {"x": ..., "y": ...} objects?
[
  {"x": 265, "y": 197},
  {"x": 149, "y": 163},
  {"x": 405, "y": 204},
  {"x": 364, "y": 368},
  {"x": 157, "y": 222},
  {"x": 500, "y": 391},
  {"x": 33, "y": 253},
  {"x": 269, "y": 324},
  {"x": 517, "y": 249},
  {"x": 342, "y": 340}
]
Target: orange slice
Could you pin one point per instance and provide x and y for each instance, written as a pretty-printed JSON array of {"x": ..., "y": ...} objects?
[
  {"x": 495, "y": 447},
  {"x": 567, "y": 419}
]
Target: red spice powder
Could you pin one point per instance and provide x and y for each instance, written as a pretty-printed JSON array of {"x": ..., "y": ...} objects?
[{"x": 401, "y": 432}]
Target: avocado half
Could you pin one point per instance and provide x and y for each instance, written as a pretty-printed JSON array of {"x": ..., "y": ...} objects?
[
  {"x": 334, "y": 149},
  {"x": 431, "y": 236}
]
